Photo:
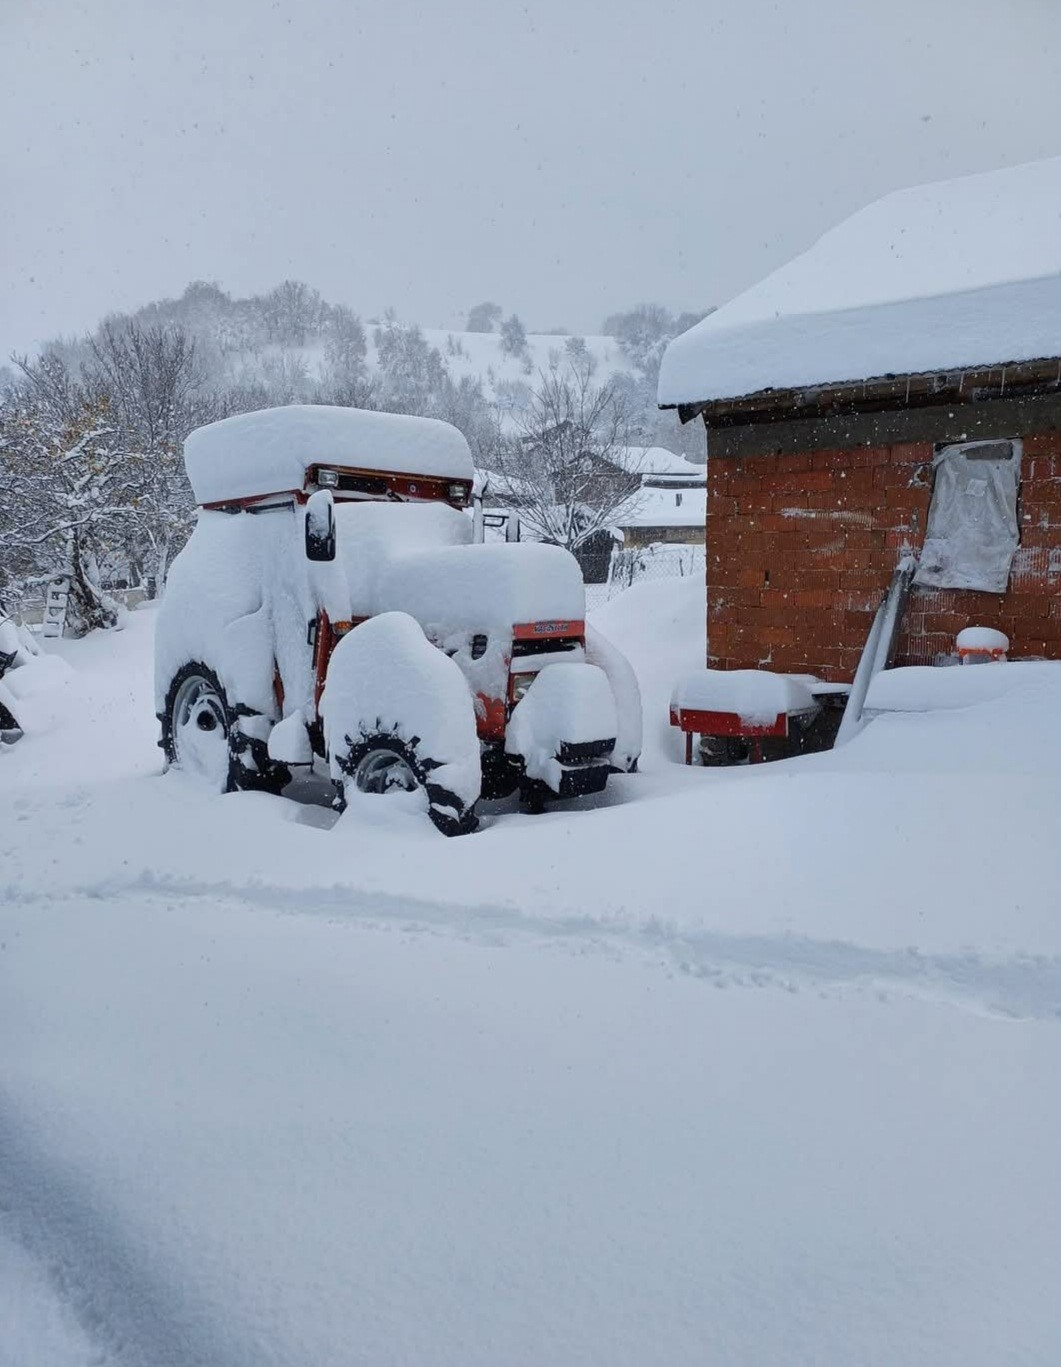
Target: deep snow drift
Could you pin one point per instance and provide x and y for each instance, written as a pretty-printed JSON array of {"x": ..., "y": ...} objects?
[{"x": 278, "y": 1091}]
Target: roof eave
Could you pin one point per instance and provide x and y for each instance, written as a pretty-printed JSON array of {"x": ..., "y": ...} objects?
[{"x": 901, "y": 390}]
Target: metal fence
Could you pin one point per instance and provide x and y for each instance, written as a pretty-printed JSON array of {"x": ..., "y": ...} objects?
[{"x": 641, "y": 564}]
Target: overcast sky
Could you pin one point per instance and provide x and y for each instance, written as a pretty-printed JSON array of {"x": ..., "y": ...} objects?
[{"x": 563, "y": 157}]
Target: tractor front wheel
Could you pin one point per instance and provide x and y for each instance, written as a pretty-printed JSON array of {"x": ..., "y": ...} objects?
[{"x": 384, "y": 763}]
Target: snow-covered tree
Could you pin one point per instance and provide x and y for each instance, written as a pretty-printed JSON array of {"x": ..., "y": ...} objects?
[
  {"x": 68, "y": 493},
  {"x": 568, "y": 466},
  {"x": 513, "y": 336},
  {"x": 483, "y": 318}
]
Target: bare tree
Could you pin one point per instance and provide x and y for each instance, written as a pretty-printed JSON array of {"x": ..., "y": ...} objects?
[
  {"x": 568, "y": 466},
  {"x": 155, "y": 391},
  {"x": 69, "y": 492}
]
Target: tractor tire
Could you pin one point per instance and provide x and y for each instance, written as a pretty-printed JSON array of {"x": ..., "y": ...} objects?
[
  {"x": 501, "y": 773},
  {"x": 201, "y": 735},
  {"x": 383, "y": 762}
]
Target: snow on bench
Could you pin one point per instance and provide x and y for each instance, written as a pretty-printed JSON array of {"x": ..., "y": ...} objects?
[{"x": 756, "y": 696}]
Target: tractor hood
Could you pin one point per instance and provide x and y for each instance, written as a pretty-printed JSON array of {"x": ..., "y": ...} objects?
[
  {"x": 419, "y": 559},
  {"x": 485, "y": 588}
]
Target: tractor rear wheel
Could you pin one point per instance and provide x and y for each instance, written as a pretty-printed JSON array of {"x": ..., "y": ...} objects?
[{"x": 201, "y": 736}]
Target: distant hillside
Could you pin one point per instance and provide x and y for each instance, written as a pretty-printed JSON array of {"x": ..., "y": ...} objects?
[{"x": 291, "y": 345}]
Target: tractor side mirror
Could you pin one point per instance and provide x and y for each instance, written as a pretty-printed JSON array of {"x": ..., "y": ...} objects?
[{"x": 320, "y": 526}]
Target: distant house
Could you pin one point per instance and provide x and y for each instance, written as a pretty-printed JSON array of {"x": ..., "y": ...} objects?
[
  {"x": 894, "y": 391},
  {"x": 668, "y": 503},
  {"x": 664, "y": 502}
]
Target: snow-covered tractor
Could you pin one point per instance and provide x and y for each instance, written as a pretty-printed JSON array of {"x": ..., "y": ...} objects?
[{"x": 335, "y": 603}]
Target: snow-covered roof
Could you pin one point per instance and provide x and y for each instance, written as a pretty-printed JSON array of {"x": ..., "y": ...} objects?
[
  {"x": 961, "y": 273},
  {"x": 653, "y": 460},
  {"x": 269, "y": 451},
  {"x": 664, "y": 508}
]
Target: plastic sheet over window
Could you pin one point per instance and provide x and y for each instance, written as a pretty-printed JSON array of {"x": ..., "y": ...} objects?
[{"x": 972, "y": 521}]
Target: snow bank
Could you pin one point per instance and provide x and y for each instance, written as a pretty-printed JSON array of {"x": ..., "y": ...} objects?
[
  {"x": 755, "y": 695},
  {"x": 269, "y": 451},
  {"x": 921, "y": 688},
  {"x": 384, "y": 677},
  {"x": 660, "y": 627},
  {"x": 566, "y": 703},
  {"x": 964, "y": 272}
]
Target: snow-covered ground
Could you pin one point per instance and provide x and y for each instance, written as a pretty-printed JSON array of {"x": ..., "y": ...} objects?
[{"x": 751, "y": 1066}]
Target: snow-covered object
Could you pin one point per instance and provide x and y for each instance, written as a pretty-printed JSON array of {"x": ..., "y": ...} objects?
[
  {"x": 981, "y": 643},
  {"x": 626, "y": 693},
  {"x": 214, "y": 611},
  {"x": 288, "y": 741},
  {"x": 484, "y": 587},
  {"x": 757, "y": 696},
  {"x": 566, "y": 703},
  {"x": 972, "y": 533},
  {"x": 384, "y": 677},
  {"x": 10, "y": 643},
  {"x": 269, "y": 451},
  {"x": 370, "y": 536},
  {"x": 17, "y": 640},
  {"x": 965, "y": 272}
]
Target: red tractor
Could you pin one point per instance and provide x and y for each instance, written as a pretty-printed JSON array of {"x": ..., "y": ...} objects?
[{"x": 336, "y": 603}]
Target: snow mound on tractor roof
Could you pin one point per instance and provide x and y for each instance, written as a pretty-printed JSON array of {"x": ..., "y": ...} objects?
[{"x": 267, "y": 452}]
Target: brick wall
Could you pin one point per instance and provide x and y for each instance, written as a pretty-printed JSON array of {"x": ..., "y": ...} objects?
[{"x": 801, "y": 546}]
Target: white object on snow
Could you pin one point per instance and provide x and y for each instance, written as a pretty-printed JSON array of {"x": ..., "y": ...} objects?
[
  {"x": 983, "y": 642},
  {"x": 269, "y": 451},
  {"x": 755, "y": 695},
  {"x": 965, "y": 272},
  {"x": 385, "y": 677},
  {"x": 972, "y": 532},
  {"x": 566, "y": 703}
]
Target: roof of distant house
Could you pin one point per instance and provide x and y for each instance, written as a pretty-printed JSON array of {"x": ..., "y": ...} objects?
[
  {"x": 653, "y": 460},
  {"x": 953, "y": 275},
  {"x": 664, "y": 508}
]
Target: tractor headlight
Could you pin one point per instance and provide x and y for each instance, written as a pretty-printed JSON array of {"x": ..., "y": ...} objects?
[
  {"x": 328, "y": 479},
  {"x": 458, "y": 492},
  {"x": 520, "y": 684}
]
